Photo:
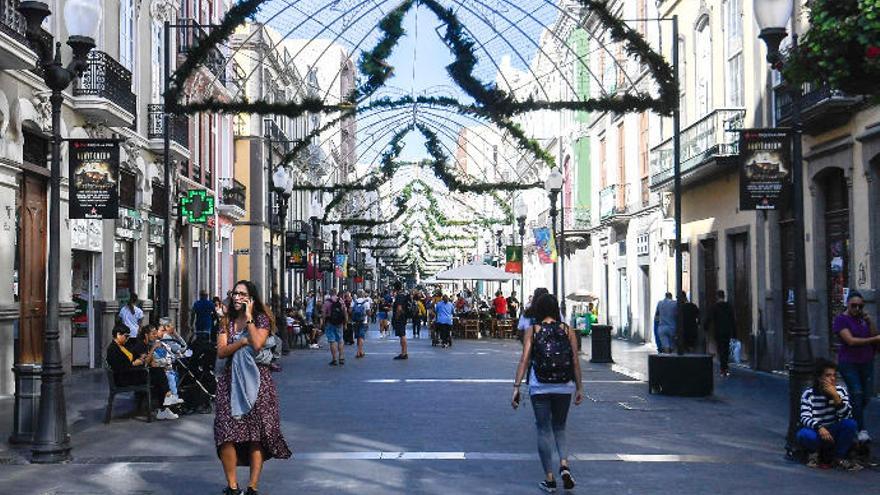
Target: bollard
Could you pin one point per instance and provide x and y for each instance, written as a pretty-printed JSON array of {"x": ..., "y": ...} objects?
[{"x": 601, "y": 349}]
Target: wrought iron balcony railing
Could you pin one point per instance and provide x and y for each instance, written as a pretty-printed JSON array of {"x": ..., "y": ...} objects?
[
  {"x": 189, "y": 36},
  {"x": 712, "y": 136},
  {"x": 577, "y": 218},
  {"x": 12, "y": 22},
  {"x": 821, "y": 106},
  {"x": 234, "y": 195},
  {"x": 279, "y": 139},
  {"x": 156, "y": 125},
  {"x": 613, "y": 200},
  {"x": 106, "y": 78}
]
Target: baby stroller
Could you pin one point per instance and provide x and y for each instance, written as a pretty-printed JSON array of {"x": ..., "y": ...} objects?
[{"x": 198, "y": 384}]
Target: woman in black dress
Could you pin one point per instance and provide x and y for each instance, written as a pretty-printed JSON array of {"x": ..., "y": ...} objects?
[{"x": 256, "y": 436}]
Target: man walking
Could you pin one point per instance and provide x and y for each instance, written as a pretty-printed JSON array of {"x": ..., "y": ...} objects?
[
  {"x": 201, "y": 319},
  {"x": 400, "y": 315},
  {"x": 690, "y": 321},
  {"x": 665, "y": 317},
  {"x": 360, "y": 308},
  {"x": 722, "y": 317},
  {"x": 335, "y": 319}
]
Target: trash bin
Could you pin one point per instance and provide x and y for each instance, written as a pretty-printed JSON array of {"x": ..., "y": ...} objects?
[{"x": 601, "y": 338}]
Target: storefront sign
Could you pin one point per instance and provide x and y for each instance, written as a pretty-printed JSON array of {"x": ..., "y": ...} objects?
[
  {"x": 86, "y": 235},
  {"x": 197, "y": 206},
  {"x": 765, "y": 168},
  {"x": 94, "y": 178},
  {"x": 296, "y": 246},
  {"x": 130, "y": 225},
  {"x": 325, "y": 261},
  {"x": 157, "y": 230}
]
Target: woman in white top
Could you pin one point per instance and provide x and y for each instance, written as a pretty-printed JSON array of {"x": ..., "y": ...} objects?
[{"x": 550, "y": 357}]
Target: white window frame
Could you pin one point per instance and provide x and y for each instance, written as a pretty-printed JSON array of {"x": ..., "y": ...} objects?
[
  {"x": 734, "y": 59},
  {"x": 127, "y": 34},
  {"x": 703, "y": 77}
]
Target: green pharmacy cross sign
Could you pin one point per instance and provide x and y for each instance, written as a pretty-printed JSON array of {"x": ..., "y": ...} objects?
[{"x": 196, "y": 206}]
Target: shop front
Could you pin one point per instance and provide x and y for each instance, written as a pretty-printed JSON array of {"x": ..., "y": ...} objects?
[
  {"x": 155, "y": 254},
  {"x": 86, "y": 237}
]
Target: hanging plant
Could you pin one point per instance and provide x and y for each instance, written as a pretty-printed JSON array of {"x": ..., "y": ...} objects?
[{"x": 841, "y": 47}]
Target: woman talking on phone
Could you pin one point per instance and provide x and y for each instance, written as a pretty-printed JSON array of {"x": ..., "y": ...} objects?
[
  {"x": 858, "y": 337},
  {"x": 247, "y": 428},
  {"x": 554, "y": 374}
]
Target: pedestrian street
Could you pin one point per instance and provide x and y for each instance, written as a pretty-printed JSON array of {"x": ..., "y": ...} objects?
[{"x": 441, "y": 423}]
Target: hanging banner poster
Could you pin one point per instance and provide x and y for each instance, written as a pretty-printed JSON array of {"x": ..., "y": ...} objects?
[
  {"x": 341, "y": 266},
  {"x": 295, "y": 247},
  {"x": 765, "y": 168},
  {"x": 94, "y": 178},
  {"x": 545, "y": 243},
  {"x": 325, "y": 261},
  {"x": 312, "y": 272},
  {"x": 514, "y": 260}
]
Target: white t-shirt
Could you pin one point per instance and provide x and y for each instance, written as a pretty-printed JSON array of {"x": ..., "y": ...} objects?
[{"x": 131, "y": 319}]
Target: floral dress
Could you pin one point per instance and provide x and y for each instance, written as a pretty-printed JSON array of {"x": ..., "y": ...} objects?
[{"x": 262, "y": 424}]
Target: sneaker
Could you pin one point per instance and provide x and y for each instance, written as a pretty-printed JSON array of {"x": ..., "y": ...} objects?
[
  {"x": 848, "y": 465},
  {"x": 813, "y": 460},
  {"x": 548, "y": 486},
  {"x": 313, "y": 346},
  {"x": 864, "y": 437},
  {"x": 251, "y": 491},
  {"x": 567, "y": 479},
  {"x": 169, "y": 400},
  {"x": 231, "y": 491},
  {"x": 166, "y": 414},
  {"x": 333, "y": 363},
  {"x": 176, "y": 399},
  {"x": 399, "y": 356}
]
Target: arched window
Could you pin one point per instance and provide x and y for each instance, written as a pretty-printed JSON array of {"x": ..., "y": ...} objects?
[{"x": 703, "y": 76}]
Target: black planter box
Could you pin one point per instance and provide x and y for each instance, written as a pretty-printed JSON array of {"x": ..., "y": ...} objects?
[
  {"x": 600, "y": 337},
  {"x": 688, "y": 375}
]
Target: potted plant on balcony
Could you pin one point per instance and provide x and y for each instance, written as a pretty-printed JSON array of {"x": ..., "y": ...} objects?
[{"x": 841, "y": 47}]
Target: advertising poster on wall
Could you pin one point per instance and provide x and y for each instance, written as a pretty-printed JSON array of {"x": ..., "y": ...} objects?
[
  {"x": 94, "y": 178},
  {"x": 765, "y": 168},
  {"x": 325, "y": 261},
  {"x": 296, "y": 245}
]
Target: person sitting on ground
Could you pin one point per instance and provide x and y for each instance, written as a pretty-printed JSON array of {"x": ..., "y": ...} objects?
[
  {"x": 828, "y": 430},
  {"x": 127, "y": 368}
]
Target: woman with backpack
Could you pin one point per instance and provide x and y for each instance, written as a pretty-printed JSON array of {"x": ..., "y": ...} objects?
[{"x": 554, "y": 373}]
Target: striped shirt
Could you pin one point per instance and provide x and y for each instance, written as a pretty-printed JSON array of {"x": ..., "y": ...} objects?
[{"x": 818, "y": 411}]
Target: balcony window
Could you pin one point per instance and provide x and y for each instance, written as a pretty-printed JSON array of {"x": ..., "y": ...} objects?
[
  {"x": 127, "y": 188},
  {"x": 703, "y": 56},
  {"x": 158, "y": 206},
  {"x": 126, "y": 34},
  {"x": 733, "y": 37},
  {"x": 35, "y": 150}
]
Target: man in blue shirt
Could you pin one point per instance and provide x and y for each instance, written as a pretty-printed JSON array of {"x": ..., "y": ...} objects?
[
  {"x": 201, "y": 319},
  {"x": 443, "y": 309}
]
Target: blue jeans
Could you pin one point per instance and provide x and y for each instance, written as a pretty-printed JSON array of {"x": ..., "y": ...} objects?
[
  {"x": 859, "y": 379},
  {"x": 333, "y": 333},
  {"x": 844, "y": 433},
  {"x": 172, "y": 381},
  {"x": 551, "y": 412}
]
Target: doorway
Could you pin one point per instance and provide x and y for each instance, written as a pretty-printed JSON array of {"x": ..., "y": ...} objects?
[
  {"x": 708, "y": 279},
  {"x": 32, "y": 268},
  {"x": 83, "y": 320},
  {"x": 623, "y": 299},
  {"x": 740, "y": 297},
  {"x": 647, "y": 321},
  {"x": 837, "y": 242}
]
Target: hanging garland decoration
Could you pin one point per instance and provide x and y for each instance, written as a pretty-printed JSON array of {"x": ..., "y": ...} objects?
[
  {"x": 435, "y": 209},
  {"x": 399, "y": 202},
  {"x": 490, "y": 101}
]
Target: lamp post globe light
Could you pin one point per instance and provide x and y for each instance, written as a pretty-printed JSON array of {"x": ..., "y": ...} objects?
[
  {"x": 773, "y": 18},
  {"x": 282, "y": 183},
  {"x": 51, "y": 442},
  {"x": 522, "y": 213},
  {"x": 553, "y": 186},
  {"x": 317, "y": 212}
]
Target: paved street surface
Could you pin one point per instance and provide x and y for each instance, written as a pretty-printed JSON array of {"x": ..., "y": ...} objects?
[{"x": 441, "y": 423}]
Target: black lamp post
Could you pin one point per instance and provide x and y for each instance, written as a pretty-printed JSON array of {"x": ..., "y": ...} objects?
[
  {"x": 773, "y": 16},
  {"x": 282, "y": 187},
  {"x": 333, "y": 246},
  {"x": 51, "y": 441},
  {"x": 553, "y": 186},
  {"x": 521, "y": 213}
]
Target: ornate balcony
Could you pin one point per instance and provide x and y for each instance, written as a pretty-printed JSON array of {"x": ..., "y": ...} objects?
[
  {"x": 577, "y": 218},
  {"x": 614, "y": 203},
  {"x": 103, "y": 93},
  {"x": 822, "y": 108},
  {"x": 156, "y": 132},
  {"x": 15, "y": 51},
  {"x": 708, "y": 146},
  {"x": 189, "y": 36},
  {"x": 233, "y": 200},
  {"x": 280, "y": 142}
]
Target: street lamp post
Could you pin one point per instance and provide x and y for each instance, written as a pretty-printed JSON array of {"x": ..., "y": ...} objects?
[
  {"x": 317, "y": 211},
  {"x": 51, "y": 441},
  {"x": 282, "y": 185},
  {"x": 553, "y": 186},
  {"x": 773, "y": 17},
  {"x": 333, "y": 234},
  {"x": 521, "y": 213}
]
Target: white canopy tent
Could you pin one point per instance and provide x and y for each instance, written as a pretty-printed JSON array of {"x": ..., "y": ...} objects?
[{"x": 476, "y": 271}]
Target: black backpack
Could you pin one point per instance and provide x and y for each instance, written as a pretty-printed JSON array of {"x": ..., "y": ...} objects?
[
  {"x": 337, "y": 313},
  {"x": 402, "y": 307},
  {"x": 551, "y": 354}
]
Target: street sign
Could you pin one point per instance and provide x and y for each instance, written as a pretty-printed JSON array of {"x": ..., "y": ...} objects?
[
  {"x": 243, "y": 252},
  {"x": 196, "y": 205}
]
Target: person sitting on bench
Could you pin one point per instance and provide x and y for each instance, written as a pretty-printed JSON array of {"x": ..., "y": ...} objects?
[
  {"x": 827, "y": 428},
  {"x": 127, "y": 369}
]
